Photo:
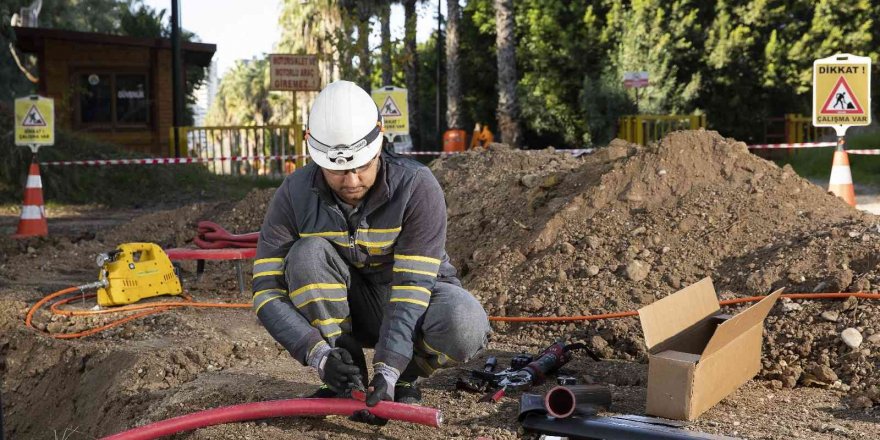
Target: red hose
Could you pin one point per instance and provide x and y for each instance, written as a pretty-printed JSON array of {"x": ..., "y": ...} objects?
[{"x": 280, "y": 408}]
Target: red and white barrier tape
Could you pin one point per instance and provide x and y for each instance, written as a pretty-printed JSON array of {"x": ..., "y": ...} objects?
[
  {"x": 864, "y": 152},
  {"x": 164, "y": 160},
  {"x": 797, "y": 145},
  {"x": 189, "y": 160}
]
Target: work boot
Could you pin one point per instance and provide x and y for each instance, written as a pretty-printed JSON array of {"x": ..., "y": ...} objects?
[{"x": 407, "y": 391}]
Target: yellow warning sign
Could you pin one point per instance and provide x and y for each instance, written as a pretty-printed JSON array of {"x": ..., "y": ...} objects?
[
  {"x": 393, "y": 108},
  {"x": 842, "y": 91},
  {"x": 34, "y": 121}
]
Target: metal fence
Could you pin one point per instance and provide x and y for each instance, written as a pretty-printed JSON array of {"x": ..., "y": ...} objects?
[
  {"x": 268, "y": 150},
  {"x": 643, "y": 129},
  {"x": 799, "y": 128}
]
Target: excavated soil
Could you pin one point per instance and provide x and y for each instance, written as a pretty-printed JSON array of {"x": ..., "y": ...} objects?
[{"x": 533, "y": 233}]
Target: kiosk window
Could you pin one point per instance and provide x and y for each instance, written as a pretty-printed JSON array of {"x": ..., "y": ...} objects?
[
  {"x": 95, "y": 98},
  {"x": 113, "y": 99}
]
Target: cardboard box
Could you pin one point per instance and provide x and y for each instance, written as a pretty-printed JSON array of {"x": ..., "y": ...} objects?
[{"x": 696, "y": 355}]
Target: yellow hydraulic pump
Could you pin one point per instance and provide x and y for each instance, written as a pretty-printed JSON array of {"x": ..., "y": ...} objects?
[{"x": 134, "y": 271}]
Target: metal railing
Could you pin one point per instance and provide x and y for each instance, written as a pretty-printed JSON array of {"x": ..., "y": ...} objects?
[
  {"x": 643, "y": 129},
  {"x": 799, "y": 128},
  {"x": 267, "y": 150}
]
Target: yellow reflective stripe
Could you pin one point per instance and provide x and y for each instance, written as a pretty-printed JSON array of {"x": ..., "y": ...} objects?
[
  {"x": 324, "y": 234},
  {"x": 336, "y": 333},
  {"x": 407, "y": 300},
  {"x": 417, "y": 258},
  {"x": 416, "y": 288},
  {"x": 269, "y": 260},
  {"x": 381, "y": 231},
  {"x": 308, "y": 287},
  {"x": 266, "y": 301},
  {"x": 420, "y": 272},
  {"x": 435, "y": 351},
  {"x": 329, "y": 321},
  {"x": 376, "y": 264},
  {"x": 268, "y": 272},
  {"x": 260, "y": 292},
  {"x": 374, "y": 243},
  {"x": 320, "y": 299}
]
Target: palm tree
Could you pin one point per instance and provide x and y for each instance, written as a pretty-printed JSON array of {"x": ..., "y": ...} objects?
[
  {"x": 410, "y": 67},
  {"x": 453, "y": 75},
  {"x": 508, "y": 110}
]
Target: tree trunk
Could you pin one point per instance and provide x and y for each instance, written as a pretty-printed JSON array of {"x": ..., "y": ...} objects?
[
  {"x": 410, "y": 69},
  {"x": 508, "y": 110},
  {"x": 365, "y": 67},
  {"x": 453, "y": 74},
  {"x": 385, "y": 19}
]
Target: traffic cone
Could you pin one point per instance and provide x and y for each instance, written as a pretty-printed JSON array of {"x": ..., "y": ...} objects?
[
  {"x": 840, "y": 183},
  {"x": 33, "y": 215}
]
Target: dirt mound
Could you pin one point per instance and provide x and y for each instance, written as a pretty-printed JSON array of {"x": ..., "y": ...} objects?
[{"x": 540, "y": 233}]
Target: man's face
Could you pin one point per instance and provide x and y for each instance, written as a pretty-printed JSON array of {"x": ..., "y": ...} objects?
[{"x": 352, "y": 185}]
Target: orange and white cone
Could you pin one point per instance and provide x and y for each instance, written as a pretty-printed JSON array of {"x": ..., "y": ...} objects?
[
  {"x": 841, "y": 183},
  {"x": 33, "y": 215}
]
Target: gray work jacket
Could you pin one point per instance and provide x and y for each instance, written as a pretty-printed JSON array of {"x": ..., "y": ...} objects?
[{"x": 398, "y": 237}]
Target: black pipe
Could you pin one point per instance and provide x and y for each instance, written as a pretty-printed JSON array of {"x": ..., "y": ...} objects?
[
  {"x": 563, "y": 401},
  {"x": 610, "y": 428}
]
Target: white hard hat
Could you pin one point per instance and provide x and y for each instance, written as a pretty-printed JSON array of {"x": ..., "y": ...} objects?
[{"x": 345, "y": 129}]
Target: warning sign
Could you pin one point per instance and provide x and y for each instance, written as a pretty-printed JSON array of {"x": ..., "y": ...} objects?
[
  {"x": 389, "y": 108},
  {"x": 842, "y": 92},
  {"x": 34, "y": 121},
  {"x": 393, "y": 108},
  {"x": 294, "y": 72},
  {"x": 33, "y": 118}
]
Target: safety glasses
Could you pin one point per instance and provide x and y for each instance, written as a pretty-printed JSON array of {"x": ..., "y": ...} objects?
[{"x": 359, "y": 170}]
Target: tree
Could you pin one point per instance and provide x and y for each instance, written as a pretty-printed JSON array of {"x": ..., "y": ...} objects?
[
  {"x": 385, "y": 23},
  {"x": 410, "y": 68},
  {"x": 453, "y": 74},
  {"x": 508, "y": 111}
]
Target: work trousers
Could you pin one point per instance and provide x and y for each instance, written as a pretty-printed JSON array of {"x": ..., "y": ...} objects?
[{"x": 337, "y": 299}]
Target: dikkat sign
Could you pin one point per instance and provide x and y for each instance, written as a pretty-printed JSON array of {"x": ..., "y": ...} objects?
[
  {"x": 295, "y": 73},
  {"x": 34, "y": 121},
  {"x": 842, "y": 92},
  {"x": 393, "y": 108}
]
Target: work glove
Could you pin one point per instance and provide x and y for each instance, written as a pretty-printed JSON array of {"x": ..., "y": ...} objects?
[
  {"x": 377, "y": 391},
  {"x": 338, "y": 370}
]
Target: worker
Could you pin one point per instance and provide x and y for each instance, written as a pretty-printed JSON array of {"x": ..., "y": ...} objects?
[{"x": 352, "y": 254}]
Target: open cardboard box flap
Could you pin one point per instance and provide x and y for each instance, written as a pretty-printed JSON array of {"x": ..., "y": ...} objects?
[
  {"x": 730, "y": 329},
  {"x": 667, "y": 317}
]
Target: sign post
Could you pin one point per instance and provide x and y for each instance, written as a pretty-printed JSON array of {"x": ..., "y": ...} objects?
[
  {"x": 842, "y": 92},
  {"x": 294, "y": 73},
  {"x": 34, "y": 122},
  {"x": 393, "y": 107},
  {"x": 842, "y": 99},
  {"x": 34, "y": 127},
  {"x": 636, "y": 80}
]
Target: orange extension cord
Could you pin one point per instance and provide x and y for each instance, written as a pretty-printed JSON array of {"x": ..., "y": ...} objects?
[{"x": 150, "y": 309}]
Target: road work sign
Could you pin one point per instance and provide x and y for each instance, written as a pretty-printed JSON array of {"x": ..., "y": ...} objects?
[
  {"x": 294, "y": 72},
  {"x": 34, "y": 121},
  {"x": 842, "y": 92},
  {"x": 393, "y": 108}
]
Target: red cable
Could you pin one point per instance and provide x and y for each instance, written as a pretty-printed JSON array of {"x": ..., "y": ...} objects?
[{"x": 281, "y": 408}]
